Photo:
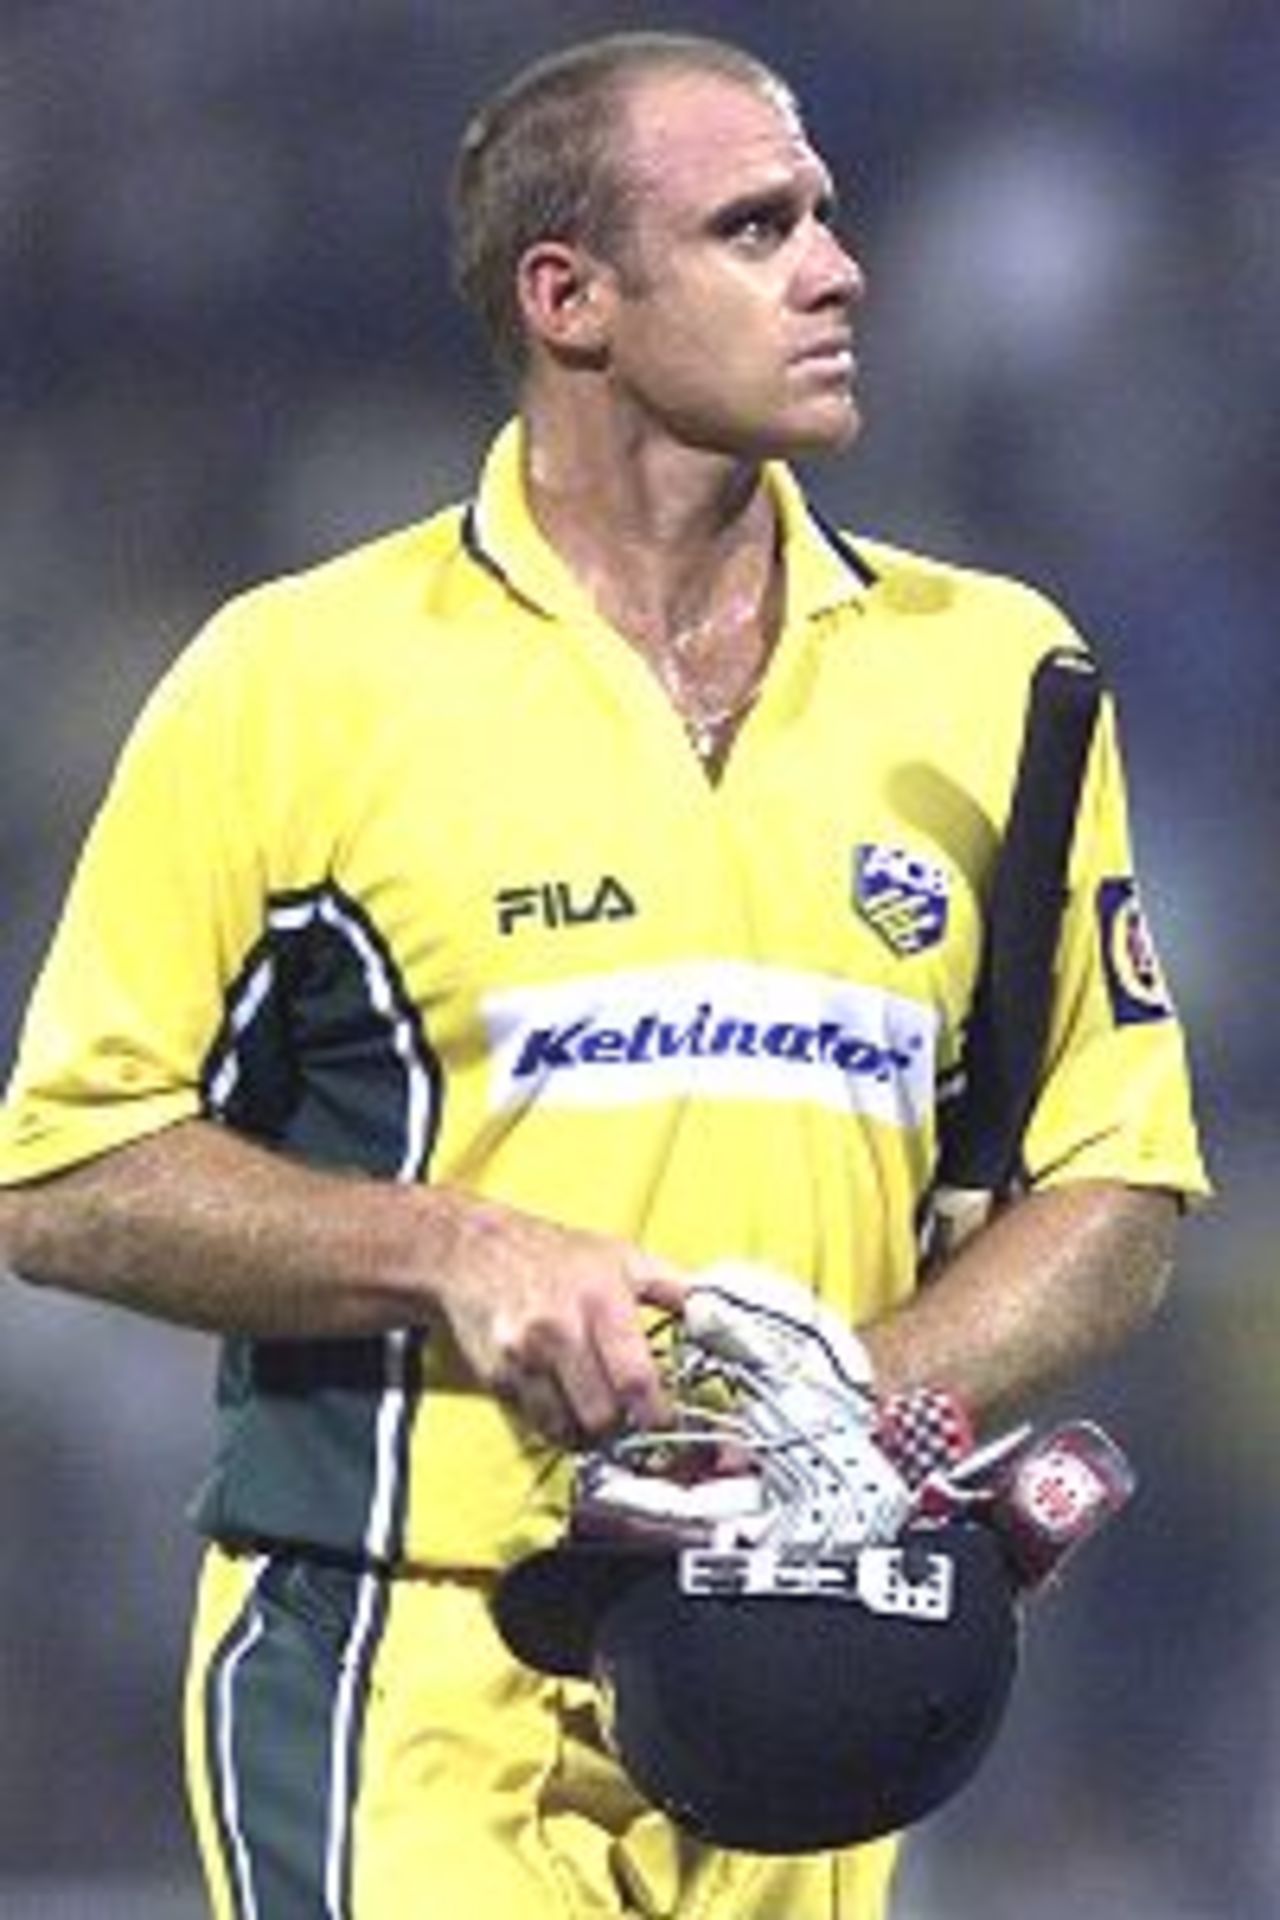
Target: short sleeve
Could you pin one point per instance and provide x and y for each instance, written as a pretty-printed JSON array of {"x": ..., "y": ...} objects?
[
  {"x": 161, "y": 912},
  {"x": 1116, "y": 1098}
]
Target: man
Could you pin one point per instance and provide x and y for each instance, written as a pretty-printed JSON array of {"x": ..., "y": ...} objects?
[{"x": 484, "y": 932}]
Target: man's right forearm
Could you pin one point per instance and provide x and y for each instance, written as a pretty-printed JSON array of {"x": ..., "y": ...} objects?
[{"x": 198, "y": 1226}]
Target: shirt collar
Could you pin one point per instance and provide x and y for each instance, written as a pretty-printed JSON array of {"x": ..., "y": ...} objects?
[{"x": 824, "y": 568}]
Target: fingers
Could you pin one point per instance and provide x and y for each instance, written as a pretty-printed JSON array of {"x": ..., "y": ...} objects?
[
  {"x": 537, "y": 1400},
  {"x": 581, "y": 1367},
  {"x": 592, "y": 1372},
  {"x": 550, "y": 1320},
  {"x": 626, "y": 1361},
  {"x": 658, "y": 1284}
]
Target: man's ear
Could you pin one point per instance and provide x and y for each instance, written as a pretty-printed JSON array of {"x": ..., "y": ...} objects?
[{"x": 564, "y": 300}]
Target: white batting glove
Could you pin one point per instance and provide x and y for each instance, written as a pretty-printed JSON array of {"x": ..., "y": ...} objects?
[{"x": 743, "y": 1311}]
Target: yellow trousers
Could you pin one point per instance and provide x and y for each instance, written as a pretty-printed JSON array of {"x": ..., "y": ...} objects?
[{"x": 361, "y": 1748}]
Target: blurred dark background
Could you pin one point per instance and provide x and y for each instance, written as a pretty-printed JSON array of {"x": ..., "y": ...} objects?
[{"x": 227, "y": 347}]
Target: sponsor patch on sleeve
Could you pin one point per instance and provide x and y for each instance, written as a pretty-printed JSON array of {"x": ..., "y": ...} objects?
[{"x": 1135, "y": 983}]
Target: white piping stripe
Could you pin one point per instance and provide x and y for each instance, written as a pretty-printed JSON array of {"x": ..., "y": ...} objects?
[
  {"x": 380, "y": 1525},
  {"x": 346, "y": 1703},
  {"x": 289, "y": 917},
  {"x": 417, "y": 1115},
  {"x": 296, "y": 914},
  {"x": 243, "y": 1014},
  {"x": 391, "y": 1413},
  {"x": 228, "y": 1792}
]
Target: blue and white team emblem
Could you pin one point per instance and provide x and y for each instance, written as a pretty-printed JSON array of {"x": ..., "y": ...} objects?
[{"x": 902, "y": 895}]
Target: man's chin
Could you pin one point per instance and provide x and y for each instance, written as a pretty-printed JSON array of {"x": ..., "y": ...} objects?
[
  {"x": 826, "y": 429},
  {"x": 792, "y": 433}
]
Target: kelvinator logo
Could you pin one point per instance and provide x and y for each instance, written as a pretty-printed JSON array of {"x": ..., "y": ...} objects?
[
  {"x": 717, "y": 1029},
  {"x": 708, "y": 1033}
]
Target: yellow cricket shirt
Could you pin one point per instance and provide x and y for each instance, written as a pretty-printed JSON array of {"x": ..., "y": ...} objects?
[{"x": 409, "y": 867}]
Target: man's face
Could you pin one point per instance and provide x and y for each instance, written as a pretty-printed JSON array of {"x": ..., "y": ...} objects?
[{"x": 731, "y": 323}]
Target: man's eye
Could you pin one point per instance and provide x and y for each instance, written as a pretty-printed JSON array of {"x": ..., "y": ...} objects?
[{"x": 762, "y": 228}]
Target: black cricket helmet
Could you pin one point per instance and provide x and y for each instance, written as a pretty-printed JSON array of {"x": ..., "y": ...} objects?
[
  {"x": 802, "y": 1633},
  {"x": 776, "y": 1705}
]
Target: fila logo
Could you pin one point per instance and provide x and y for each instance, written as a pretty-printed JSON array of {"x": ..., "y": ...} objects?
[{"x": 557, "y": 903}]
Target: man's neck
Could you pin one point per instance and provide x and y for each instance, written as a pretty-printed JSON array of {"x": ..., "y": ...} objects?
[
  {"x": 679, "y": 552},
  {"x": 667, "y": 541}
]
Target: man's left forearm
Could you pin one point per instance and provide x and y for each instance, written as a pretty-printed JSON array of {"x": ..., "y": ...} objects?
[{"x": 1055, "y": 1281}]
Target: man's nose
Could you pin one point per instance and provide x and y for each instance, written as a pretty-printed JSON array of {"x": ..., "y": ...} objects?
[{"x": 835, "y": 271}]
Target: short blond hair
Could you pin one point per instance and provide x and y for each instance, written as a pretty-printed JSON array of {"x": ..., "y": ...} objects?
[{"x": 539, "y": 161}]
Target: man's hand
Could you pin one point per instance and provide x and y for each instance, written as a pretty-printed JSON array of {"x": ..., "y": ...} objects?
[{"x": 547, "y": 1317}]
